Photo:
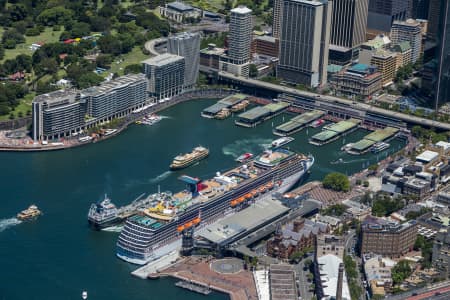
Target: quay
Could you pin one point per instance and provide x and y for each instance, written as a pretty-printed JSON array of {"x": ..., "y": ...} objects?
[
  {"x": 228, "y": 103},
  {"x": 259, "y": 114},
  {"x": 239, "y": 285},
  {"x": 198, "y": 288},
  {"x": 298, "y": 123},
  {"x": 27, "y": 145},
  {"x": 333, "y": 132},
  {"x": 371, "y": 139}
]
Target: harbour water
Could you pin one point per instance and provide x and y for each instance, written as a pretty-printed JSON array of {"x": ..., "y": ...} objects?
[{"x": 57, "y": 256}]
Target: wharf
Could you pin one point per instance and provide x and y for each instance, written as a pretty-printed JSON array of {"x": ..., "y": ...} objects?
[
  {"x": 333, "y": 132},
  {"x": 371, "y": 139},
  {"x": 298, "y": 123},
  {"x": 153, "y": 268},
  {"x": 199, "y": 288},
  {"x": 226, "y": 103},
  {"x": 260, "y": 114}
]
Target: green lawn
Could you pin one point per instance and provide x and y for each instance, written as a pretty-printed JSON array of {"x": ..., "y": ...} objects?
[
  {"x": 133, "y": 57},
  {"x": 23, "y": 107},
  {"x": 48, "y": 36}
]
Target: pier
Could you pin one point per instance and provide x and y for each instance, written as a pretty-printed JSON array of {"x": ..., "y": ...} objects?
[
  {"x": 227, "y": 103},
  {"x": 260, "y": 114},
  {"x": 194, "y": 287},
  {"x": 298, "y": 123},
  {"x": 371, "y": 139},
  {"x": 335, "y": 131}
]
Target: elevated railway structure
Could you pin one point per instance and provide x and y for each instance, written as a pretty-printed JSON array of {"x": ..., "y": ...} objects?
[{"x": 342, "y": 108}]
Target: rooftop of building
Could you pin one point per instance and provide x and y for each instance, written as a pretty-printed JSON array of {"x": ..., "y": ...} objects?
[
  {"x": 371, "y": 223},
  {"x": 247, "y": 219},
  {"x": 292, "y": 235},
  {"x": 378, "y": 42},
  {"x": 402, "y": 47},
  {"x": 408, "y": 22},
  {"x": 266, "y": 38},
  {"x": 383, "y": 54},
  {"x": 162, "y": 60},
  {"x": 183, "y": 35},
  {"x": 329, "y": 272},
  {"x": 334, "y": 68},
  {"x": 444, "y": 145},
  {"x": 417, "y": 183},
  {"x": 112, "y": 84},
  {"x": 57, "y": 96},
  {"x": 282, "y": 282},
  {"x": 212, "y": 49},
  {"x": 241, "y": 9},
  {"x": 427, "y": 156},
  {"x": 179, "y": 6}
]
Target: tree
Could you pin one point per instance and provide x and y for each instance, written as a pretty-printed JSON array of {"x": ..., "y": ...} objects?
[
  {"x": 337, "y": 182},
  {"x": 401, "y": 271},
  {"x": 335, "y": 210},
  {"x": 253, "y": 71},
  {"x": 133, "y": 69}
]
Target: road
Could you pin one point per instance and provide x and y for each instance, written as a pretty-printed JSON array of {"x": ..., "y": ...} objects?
[
  {"x": 302, "y": 278},
  {"x": 330, "y": 99},
  {"x": 438, "y": 291}
]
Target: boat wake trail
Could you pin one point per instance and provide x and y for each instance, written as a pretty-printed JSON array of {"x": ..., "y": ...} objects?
[
  {"x": 165, "y": 117},
  {"x": 113, "y": 229},
  {"x": 160, "y": 177},
  {"x": 247, "y": 145},
  {"x": 6, "y": 223}
]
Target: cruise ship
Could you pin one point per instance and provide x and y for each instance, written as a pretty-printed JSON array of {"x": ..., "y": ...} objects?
[
  {"x": 185, "y": 160},
  {"x": 146, "y": 235}
]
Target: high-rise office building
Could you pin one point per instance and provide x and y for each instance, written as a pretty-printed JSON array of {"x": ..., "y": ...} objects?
[
  {"x": 443, "y": 80},
  {"x": 434, "y": 17},
  {"x": 276, "y": 18},
  {"x": 187, "y": 44},
  {"x": 348, "y": 30},
  {"x": 383, "y": 12},
  {"x": 240, "y": 35},
  {"x": 304, "y": 45},
  {"x": 420, "y": 9},
  {"x": 408, "y": 31},
  {"x": 165, "y": 75}
]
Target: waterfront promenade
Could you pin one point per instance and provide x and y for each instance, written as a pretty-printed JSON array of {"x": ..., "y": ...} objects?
[
  {"x": 26, "y": 144},
  {"x": 239, "y": 285}
]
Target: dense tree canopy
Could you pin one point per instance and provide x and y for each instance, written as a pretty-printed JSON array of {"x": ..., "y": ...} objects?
[{"x": 337, "y": 182}]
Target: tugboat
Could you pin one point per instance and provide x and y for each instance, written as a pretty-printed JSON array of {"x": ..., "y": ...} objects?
[
  {"x": 103, "y": 214},
  {"x": 29, "y": 213},
  {"x": 185, "y": 160},
  {"x": 244, "y": 157}
]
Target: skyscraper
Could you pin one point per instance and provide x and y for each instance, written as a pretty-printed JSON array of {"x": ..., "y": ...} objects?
[
  {"x": 304, "y": 45},
  {"x": 420, "y": 9},
  {"x": 443, "y": 81},
  {"x": 276, "y": 17},
  {"x": 165, "y": 75},
  {"x": 348, "y": 29},
  {"x": 240, "y": 35},
  {"x": 408, "y": 31},
  {"x": 187, "y": 44},
  {"x": 383, "y": 12}
]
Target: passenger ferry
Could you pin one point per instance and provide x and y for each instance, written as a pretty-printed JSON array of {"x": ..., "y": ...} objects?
[
  {"x": 148, "y": 235},
  {"x": 185, "y": 160},
  {"x": 29, "y": 213},
  {"x": 378, "y": 147},
  {"x": 282, "y": 141}
]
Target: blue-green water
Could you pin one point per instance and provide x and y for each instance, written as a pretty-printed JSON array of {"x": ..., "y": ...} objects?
[{"x": 57, "y": 256}]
